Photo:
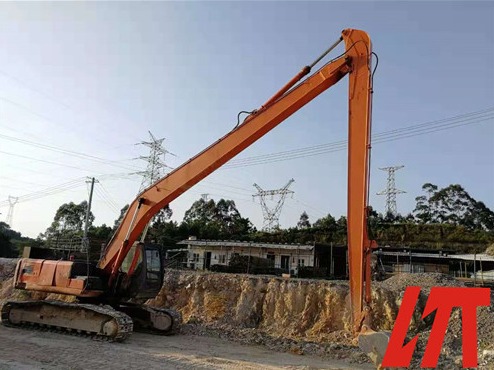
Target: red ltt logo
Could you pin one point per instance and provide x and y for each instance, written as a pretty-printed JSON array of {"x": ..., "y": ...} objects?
[{"x": 442, "y": 300}]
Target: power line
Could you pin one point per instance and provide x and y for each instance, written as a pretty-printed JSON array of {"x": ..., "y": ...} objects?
[
  {"x": 392, "y": 135},
  {"x": 48, "y": 191},
  {"x": 65, "y": 151},
  {"x": 459, "y": 118},
  {"x": 109, "y": 196},
  {"x": 42, "y": 160},
  {"x": 44, "y": 94},
  {"x": 55, "y": 189},
  {"x": 106, "y": 200},
  {"x": 338, "y": 146}
]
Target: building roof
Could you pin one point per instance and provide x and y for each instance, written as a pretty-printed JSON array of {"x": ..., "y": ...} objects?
[
  {"x": 464, "y": 257},
  {"x": 413, "y": 254},
  {"x": 472, "y": 257},
  {"x": 244, "y": 244}
]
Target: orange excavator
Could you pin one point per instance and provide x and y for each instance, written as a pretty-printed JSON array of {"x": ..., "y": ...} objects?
[{"x": 131, "y": 269}]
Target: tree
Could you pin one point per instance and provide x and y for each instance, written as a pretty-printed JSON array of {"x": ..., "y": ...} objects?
[
  {"x": 100, "y": 233},
  {"x": 452, "y": 205},
  {"x": 117, "y": 222},
  {"x": 7, "y": 249},
  {"x": 208, "y": 219},
  {"x": 201, "y": 211},
  {"x": 69, "y": 220},
  {"x": 303, "y": 222},
  {"x": 341, "y": 230},
  {"x": 423, "y": 211},
  {"x": 327, "y": 223},
  {"x": 163, "y": 215}
]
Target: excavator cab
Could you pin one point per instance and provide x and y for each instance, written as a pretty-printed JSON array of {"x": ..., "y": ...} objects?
[
  {"x": 142, "y": 271},
  {"x": 141, "y": 277}
]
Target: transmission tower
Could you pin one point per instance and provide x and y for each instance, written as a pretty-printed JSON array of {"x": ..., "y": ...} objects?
[
  {"x": 10, "y": 214},
  {"x": 155, "y": 168},
  {"x": 391, "y": 190},
  {"x": 156, "y": 165},
  {"x": 272, "y": 215}
]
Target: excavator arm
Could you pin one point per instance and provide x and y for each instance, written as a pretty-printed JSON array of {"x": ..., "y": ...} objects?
[
  {"x": 112, "y": 282},
  {"x": 355, "y": 61}
]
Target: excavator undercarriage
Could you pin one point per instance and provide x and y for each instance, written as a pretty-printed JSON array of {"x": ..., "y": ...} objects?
[
  {"x": 99, "y": 321},
  {"x": 71, "y": 318}
]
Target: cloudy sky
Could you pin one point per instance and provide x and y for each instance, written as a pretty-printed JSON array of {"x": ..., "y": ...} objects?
[{"x": 82, "y": 83}]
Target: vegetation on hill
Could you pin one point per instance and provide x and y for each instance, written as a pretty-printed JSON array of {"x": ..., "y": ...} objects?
[{"x": 447, "y": 218}]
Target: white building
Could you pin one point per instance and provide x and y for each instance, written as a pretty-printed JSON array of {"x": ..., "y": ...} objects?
[{"x": 202, "y": 254}]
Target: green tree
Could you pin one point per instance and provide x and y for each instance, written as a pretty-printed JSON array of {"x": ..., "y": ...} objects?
[
  {"x": 208, "y": 219},
  {"x": 120, "y": 218},
  {"x": 303, "y": 222},
  {"x": 452, "y": 205},
  {"x": 69, "y": 221},
  {"x": 327, "y": 223},
  {"x": 101, "y": 233},
  {"x": 7, "y": 249},
  {"x": 201, "y": 211},
  {"x": 163, "y": 215}
]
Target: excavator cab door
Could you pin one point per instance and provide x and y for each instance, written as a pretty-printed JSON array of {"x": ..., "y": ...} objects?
[
  {"x": 143, "y": 268},
  {"x": 154, "y": 272}
]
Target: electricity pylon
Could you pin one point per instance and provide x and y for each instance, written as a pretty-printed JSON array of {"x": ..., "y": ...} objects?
[
  {"x": 156, "y": 166},
  {"x": 391, "y": 190},
  {"x": 272, "y": 215},
  {"x": 10, "y": 214}
]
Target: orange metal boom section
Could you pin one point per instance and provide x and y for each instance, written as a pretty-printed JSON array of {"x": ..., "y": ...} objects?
[{"x": 356, "y": 61}]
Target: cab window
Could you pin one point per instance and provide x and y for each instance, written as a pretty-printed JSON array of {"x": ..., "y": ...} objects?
[{"x": 128, "y": 259}]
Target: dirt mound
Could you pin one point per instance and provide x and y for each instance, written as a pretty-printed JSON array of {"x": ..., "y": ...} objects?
[
  {"x": 308, "y": 316},
  {"x": 426, "y": 281},
  {"x": 7, "y": 268},
  {"x": 293, "y": 308}
]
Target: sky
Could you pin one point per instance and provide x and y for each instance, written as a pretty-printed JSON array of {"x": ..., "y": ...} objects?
[{"x": 82, "y": 83}]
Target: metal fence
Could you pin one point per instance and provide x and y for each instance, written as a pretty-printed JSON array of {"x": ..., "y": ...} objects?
[{"x": 75, "y": 244}]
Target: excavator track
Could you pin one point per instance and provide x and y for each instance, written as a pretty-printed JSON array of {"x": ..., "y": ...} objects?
[
  {"x": 99, "y": 322},
  {"x": 153, "y": 320}
]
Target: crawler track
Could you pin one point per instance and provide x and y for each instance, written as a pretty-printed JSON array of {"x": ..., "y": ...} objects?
[
  {"x": 154, "y": 320},
  {"x": 99, "y": 322}
]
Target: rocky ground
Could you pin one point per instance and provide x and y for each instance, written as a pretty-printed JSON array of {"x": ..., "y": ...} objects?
[{"x": 299, "y": 316}]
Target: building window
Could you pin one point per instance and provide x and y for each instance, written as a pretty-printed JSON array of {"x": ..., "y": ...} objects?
[
  {"x": 222, "y": 258},
  {"x": 195, "y": 257},
  {"x": 301, "y": 262}
]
